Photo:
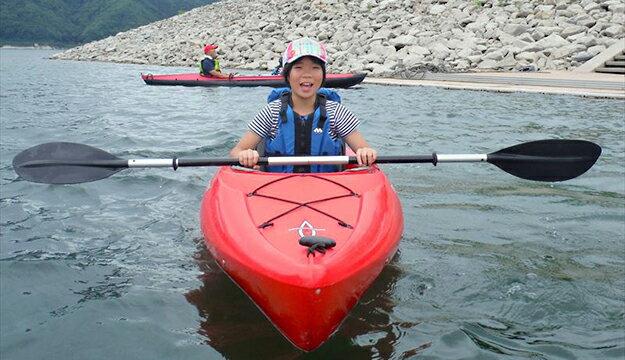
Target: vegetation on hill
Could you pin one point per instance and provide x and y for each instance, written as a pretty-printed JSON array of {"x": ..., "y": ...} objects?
[{"x": 72, "y": 22}]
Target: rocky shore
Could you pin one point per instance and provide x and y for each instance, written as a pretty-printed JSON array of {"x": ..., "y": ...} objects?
[{"x": 382, "y": 37}]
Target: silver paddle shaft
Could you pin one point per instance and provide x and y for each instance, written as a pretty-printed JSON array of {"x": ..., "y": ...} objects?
[{"x": 308, "y": 160}]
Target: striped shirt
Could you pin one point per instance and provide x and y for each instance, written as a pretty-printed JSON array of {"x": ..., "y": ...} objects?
[{"x": 342, "y": 121}]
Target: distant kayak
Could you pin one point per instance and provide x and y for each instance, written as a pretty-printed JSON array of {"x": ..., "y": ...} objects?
[{"x": 276, "y": 81}]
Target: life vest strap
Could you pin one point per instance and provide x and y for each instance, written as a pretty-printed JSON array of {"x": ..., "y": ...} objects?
[{"x": 321, "y": 102}]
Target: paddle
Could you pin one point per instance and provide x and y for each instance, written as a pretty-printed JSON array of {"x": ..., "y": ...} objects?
[{"x": 71, "y": 163}]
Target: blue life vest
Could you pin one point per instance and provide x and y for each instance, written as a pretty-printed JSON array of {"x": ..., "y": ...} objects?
[
  {"x": 208, "y": 64},
  {"x": 304, "y": 135},
  {"x": 277, "y": 71}
]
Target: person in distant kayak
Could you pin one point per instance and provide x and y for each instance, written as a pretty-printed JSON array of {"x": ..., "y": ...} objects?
[
  {"x": 278, "y": 69},
  {"x": 296, "y": 124},
  {"x": 209, "y": 66}
]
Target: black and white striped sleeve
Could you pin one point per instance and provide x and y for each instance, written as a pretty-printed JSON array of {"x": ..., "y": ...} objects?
[
  {"x": 345, "y": 122},
  {"x": 264, "y": 123}
]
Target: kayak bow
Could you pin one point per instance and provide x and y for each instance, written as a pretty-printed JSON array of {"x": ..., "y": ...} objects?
[{"x": 304, "y": 257}]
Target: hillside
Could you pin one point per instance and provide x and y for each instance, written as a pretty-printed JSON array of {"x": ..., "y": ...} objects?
[
  {"x": 71, "y": 22},
  {"x": 381, "y": 37}
]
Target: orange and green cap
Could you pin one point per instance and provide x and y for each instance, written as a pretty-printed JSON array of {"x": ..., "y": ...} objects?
[{"x": 304, "y": 47}]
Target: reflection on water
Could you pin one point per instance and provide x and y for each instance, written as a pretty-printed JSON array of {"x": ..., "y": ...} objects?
[
  {"x": 230, "y": 322},
  {"x": 236, "y": 328}
]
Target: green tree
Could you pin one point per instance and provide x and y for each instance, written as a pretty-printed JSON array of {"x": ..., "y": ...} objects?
[{"x": 71, "y": 22}]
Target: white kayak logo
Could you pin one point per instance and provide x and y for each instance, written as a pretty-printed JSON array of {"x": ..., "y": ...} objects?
[{"x": 306, "y": 229}]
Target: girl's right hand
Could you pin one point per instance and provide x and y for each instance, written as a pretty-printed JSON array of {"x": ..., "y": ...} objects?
[{"x": 248, "y": 158}]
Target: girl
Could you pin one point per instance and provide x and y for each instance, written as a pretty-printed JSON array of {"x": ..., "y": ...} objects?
[{"x": 303, "y": 122}]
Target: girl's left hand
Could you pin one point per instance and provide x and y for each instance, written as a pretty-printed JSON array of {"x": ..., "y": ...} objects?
[
  {"x": 366, "y": 156},
  {"x": 248, "y": 158}
]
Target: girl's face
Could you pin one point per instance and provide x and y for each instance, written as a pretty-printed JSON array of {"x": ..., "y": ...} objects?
[{"x": 305, "y": 78}]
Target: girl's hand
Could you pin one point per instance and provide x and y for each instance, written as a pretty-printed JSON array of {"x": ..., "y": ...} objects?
[
  {"x": 248, "y": 158},
  {"x": 366, "y": 156}
]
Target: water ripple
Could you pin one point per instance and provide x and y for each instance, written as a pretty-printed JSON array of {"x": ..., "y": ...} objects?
[{"x": 490, "y": 266}]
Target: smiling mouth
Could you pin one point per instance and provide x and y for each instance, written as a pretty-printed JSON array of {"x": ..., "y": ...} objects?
[{"x": 306, "y": 85}]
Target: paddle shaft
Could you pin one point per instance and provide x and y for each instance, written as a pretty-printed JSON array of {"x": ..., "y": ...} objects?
[{"x": 322, "y": 160}]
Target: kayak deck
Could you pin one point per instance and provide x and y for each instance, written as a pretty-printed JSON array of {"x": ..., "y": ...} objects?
[
  {"x": 276, "y": 81},
  {"x": 253, "y": 221}
]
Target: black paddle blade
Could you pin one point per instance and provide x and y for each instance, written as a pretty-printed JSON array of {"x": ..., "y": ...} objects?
[
  {"x": 65, "y": 163},
  {"x": 547, "y": 160}
]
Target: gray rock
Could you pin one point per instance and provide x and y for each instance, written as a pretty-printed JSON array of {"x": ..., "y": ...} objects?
[
  {"x": 367, "y": 5},
  {"x": 412, "y": 60},
  {"x": 382, "y": 34},
  {"x": 528, "y": 56},
  {"x": 576, "y": 8},
  {"x": 592, "y": 6},
  {"x": 613, "y": 31},
  {"x": 418, "y": 50},
  {"x": 474, "y": 59},
  {"x": 515, "y": 29},
  {"x": 596, "y": 50},
  {"x": 437, "y": 9},
  {"x": 526, "y": 37},
  {"x": 497, "y": 55},
  {"x": 582, "y": 57},
  {"x": 537, "y": 35},
  {"x": 383, "y": 50},
  {"x": 572, "y": 30},
  {"x": 551, "y": 41},
  {"x": 440, "y": 51},
  {"x": 487, "y": 64},
  {"x": 618, "y": 8},
  {"x": 545, "y": 7},
  {"x": 544, "y": 14},
  {"x": 380, "y": 69},
  {"x": 585, "y": 40},
  {"x": 566, "y": 51},
  {"x": 507, "y": 62},
  {"x": 524, "y": 13},
  {"x": 403, "y": 40}
]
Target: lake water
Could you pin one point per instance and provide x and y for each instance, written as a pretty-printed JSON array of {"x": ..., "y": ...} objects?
[{"x": 490, "y": 266}]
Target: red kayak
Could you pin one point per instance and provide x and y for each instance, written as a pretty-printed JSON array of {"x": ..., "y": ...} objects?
[
  {"x": 304, "y": 247},
  {"x": 276, "y": 81}
]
